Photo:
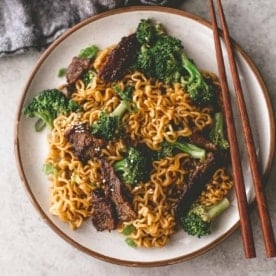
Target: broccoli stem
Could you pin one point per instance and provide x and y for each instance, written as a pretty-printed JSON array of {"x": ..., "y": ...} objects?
[
  {"x": 120, "y": 109},
  {"x": 217, "y": 135},
  {"x": 195, "y": 77},
  {"x": 40, "y": 125},
  {"x": 194, "y": 74},
  {"x": 43, "y": 119},
  {"x": 200, "y": 91},
  {"x": 197, "y": 222},
  {"x": 169, "y": 149},
  {"x": 120, "y": 165},
  {"x": 216, "y": 209},
  {"x": 193, "y": 150}
]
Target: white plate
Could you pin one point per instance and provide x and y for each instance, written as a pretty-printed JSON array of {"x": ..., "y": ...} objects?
[{"x": 103, "y": 30}]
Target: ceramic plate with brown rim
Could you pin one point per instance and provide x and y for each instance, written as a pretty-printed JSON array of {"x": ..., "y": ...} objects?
[{"x": 104, "y": 30}]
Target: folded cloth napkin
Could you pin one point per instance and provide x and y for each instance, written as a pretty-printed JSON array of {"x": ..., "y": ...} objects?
[{"x": 26, "y": 24}]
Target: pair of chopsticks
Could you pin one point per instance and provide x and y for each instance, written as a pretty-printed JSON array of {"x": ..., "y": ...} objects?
[{"x": 265, "y": 221}]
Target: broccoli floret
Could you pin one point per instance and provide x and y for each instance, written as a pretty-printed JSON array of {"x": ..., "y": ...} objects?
[
  {"x": 135, "y": 167},
  {"x": 109, "y": 126},
  {"x": 169, "y": 149},
  {"x": 159, "y": 53},
  {"x": 160, "y": 60},
  {"x": 198, "y": 220},
  {"x": 88, "y": 76},
  {"x": 217, "y": 135},
  {"x": 47, "y": 105},
  {"x": 201, "y": 90},
  {"x": 146, "y": 32},
  {"x": 145, "y": 62},
  {"x": 126, "y": 94},
  {"x": 166, "y": 56},
  {"x": 161, "y": 56}
]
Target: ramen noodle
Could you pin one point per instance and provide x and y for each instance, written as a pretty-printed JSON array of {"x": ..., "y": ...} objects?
[{"x": 158, "y": 107}]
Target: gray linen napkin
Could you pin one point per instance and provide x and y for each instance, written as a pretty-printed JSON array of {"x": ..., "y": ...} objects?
[{"x": 26, "y": 24}]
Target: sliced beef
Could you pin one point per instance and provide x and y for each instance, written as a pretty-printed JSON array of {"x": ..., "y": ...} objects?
[
  {"x": 201, "y": 141},
  {"x": 85, "y": 145},
  {"x": 67, "y": 89},
  {"x": 104, "y": 214},
  {"x": 112, "y": 204},
  {"x": 197, "y": 180},
  {"x": 119, "y": 60},
  {"x": 117, "y": 192},
  {"x": 76, "y": 68}
]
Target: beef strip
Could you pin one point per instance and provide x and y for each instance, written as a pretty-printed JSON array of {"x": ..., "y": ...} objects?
[
  {"x": 67, "y": 89},
  {"x": 117, "y": 192},
  {"x": 104, "y": 214},
  {"x": 203, "y": 142},
  {"x": 112, "y": 203},
  {"x": 119, "y": 60},
  {"x": 197, "y": 180},
  {"x": 76, "y": 68},
  {"x": 85, "y": 145}
]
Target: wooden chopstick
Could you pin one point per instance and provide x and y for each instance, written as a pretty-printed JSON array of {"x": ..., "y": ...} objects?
[
  {"x": 246, "y": 230},
  {"x": 263, "y": 211}
]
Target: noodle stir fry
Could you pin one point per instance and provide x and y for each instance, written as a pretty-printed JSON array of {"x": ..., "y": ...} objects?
[{"x": 89, "y": 171}]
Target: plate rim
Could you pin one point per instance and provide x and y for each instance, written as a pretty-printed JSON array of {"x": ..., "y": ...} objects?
[{"x": 23, "y": 177}]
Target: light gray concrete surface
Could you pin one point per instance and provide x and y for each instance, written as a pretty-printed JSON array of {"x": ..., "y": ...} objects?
[{"x": 30, "y": 247}]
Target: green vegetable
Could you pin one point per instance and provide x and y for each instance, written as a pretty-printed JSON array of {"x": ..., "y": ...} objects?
[
  {"x": 126, "y": 94},
  {"x": 162, "y": 56},
  {"x": 200, "y": 90},
  {"x": 198, "y": 220},
  {"x": 159, "y": 53},
  {"x": 47, "y": 105},
  {"x": 89, "y": 52},
  {"x": 217, "y": 135},
  {"x": 169, "y": 149},
  {"x": 135, "y": 167},
  {"x": 75, "y": 178},
  {"x": 146, "y": 32},
  {"x": 130, "y": 242},
  {"x": 88, "y": 76},
  {"x": 109, "y": 126},
  {"x": 49, "y": 169},
  {"x": 128, "y": 229},
  {"x": 62, "y": 72}
]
